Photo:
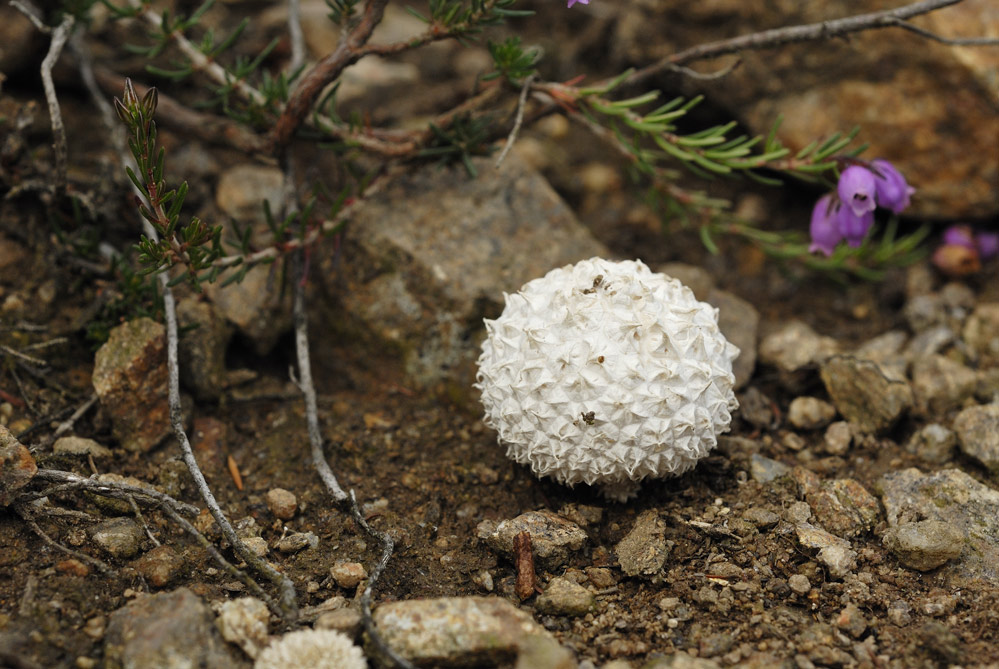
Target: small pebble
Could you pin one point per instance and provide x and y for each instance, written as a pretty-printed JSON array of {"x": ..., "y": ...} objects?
[
  {"x": 837, "y": 438},
  {"x": 119, "y": 537},
  {"x": 899, "y": 613},
  {"x": 160, "y": 566},
  {"x": 296, "y": 542},
  {"x": 348, "y": 574},
  {"x": 799, "y": 583},
  {"x": 565, "y": 598},
  {"x": 282, "y": 503},
  {"x": 810, "y": 413}
]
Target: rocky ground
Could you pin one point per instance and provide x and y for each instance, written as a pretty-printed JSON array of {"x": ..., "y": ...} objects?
[{"x": 849, "y": 518}]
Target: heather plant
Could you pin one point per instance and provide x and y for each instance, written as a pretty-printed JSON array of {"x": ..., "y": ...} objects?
[{"x": 263, "y": 106}]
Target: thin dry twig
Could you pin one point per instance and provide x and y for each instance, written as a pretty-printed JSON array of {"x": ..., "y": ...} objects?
[
  {"x": 951, "y": 41},
  {"x": 518, "y": 120},
  {"x": 347, "y": 52},
  {"x": 810, "y": 32},
  {"x": 28, "y": 517},
  {"x": 60, "y": 34},
  {"x": 295, "y": 36},
  {"x": 369, "y": 623}
]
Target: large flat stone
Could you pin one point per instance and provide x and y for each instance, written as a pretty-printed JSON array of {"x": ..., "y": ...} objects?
[{"x": 426, "y": 259}]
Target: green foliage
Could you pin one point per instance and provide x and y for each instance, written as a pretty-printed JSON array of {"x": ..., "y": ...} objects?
[
  {"x": 195, "y": 245},
  {"x": 466, "y": 137},
  {"x": 134, "y": 295},
  {"x": 513, "y": 62},
  {"x": 466, "y": 18},
  {"x": 342, "y": 11}
]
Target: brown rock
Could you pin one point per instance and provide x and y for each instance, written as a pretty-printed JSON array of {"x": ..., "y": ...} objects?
[
  {"x": 927, "y": 107},
  {"x": 202, "y": 347},
  {"x": 844, "y": 507},
  {"x": 17, "y": 467},
  {"x": 282, "y": 503},
  {"x": 160, "y": 566},
  {"x": 865, "y": 393},
  {"x": 130, "y": 378}
]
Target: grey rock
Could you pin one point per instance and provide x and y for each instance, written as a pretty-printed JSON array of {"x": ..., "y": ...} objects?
[
  {"x": 977, "y": 431},
  {"x": 130, "y": 379},
  {"x": 925, "y": 544},
  {"x": 899, "y": 613},
  {"x": 810, "y": 413},
  {"x": 952, "y": 497},
  {"x": 17, "y": 466},
  {"x": 119, "y": 537},
  {"x": 795, "y": 346},
  {"x": 347, "y": 620},
  {"x": 553, "y": 538},
  {"x": 924, "y": 311},
  {"x": 933, "y": 444},
  {"x": 456, "y": 631},
  {"x": 256, "y": 306},
  {"x": 172, "y": 630},
  {"x": 203, "y": 345},
  {"x": 837, "y": 438},
  {"x": 852, "y": 621},
  {"x": 759, "y": 517},
  {"x": 799, "y": 584},
  {"x": 427, "y": 259},
  {"x": 764, "y": 470},
  {"x": 563, "y": 597},
  {"x": 643, "y": 551},
  {"x": 929, "y": 342},
  {"x": 80, "y": 446},
  {"x": 981, "y": 334},
  {"x": 739, "y": 321},
  {"x": 844, "y": 507},
  {"x": 242, "y": 190},
  {"x": 244, "y": 622},
  {"x": 864, "y": 394},
  {"x": 756, "y": 408},
  {"x": 885, "y": 348},
  {"x": 832, "y": 551},
  {"x": 939, "y": 384},
  {"x": 297, "y": 541}
]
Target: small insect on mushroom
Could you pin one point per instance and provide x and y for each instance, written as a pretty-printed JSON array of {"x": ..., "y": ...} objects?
[{"x": 646, "y": 357}]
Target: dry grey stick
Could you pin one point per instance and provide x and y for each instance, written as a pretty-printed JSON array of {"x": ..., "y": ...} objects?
[
  {"x": 60, "y": 34},
  {"x": 26, "y": 515},
  {"x": 519, "y": 120},
  {"x": 309, "y": 390},
  {"x": 808, "y": 32},
  {"x": 70, "y": 481},
  {"x": 67, "y": 424},
  {"x": 295, "y": 36},
  {"x": 369, "y": 622},
  {"x": 952, "y": 41},
  {"x": 288, "y": 606}
]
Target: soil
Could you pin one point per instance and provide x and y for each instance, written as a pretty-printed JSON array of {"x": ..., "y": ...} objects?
[{"x": 429, "y": 472}]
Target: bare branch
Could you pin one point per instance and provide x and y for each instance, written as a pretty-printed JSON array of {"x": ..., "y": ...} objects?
[
  {"x": 952, "y": 41},
  {"x": 369, "y": 623},
  {"x": 295, "y": 35},
  {"x": 521, "y": 103},
  {"x": 347, "y": 52},
  {"x": 28, "y": 517},
  {"x": 768, "y": 39}
]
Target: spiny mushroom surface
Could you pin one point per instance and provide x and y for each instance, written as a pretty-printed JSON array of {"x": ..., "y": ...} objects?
[
  {"x": 312, "y": 649},
  {"x": 606, "y": 373}
]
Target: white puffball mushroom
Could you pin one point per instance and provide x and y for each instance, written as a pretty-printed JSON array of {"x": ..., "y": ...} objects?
[
  {"x": 312, "y": 649},
  {"x": 607, "y": 373}
]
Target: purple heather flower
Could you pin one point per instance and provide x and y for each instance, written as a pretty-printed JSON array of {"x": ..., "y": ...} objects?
[
  {"x": 959, "y": 235},
  {"x": 892, "y": 191},
  {"x": 987, "y": 243},
  {"x": 824, "y": 228},
  {"x": 582, "y": 2},
  {"x": 854, "y": 226},
  {"x": 857, "y": 188}
]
